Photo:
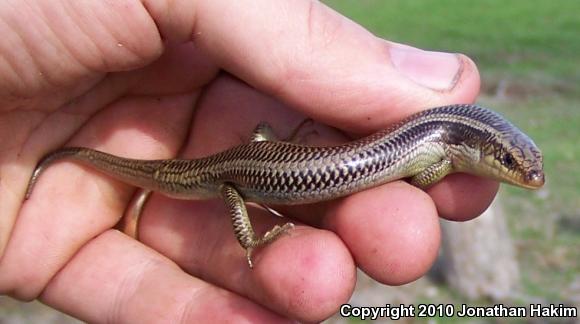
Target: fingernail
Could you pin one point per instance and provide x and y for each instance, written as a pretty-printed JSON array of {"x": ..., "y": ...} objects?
[{"x": 435, "y": 70}]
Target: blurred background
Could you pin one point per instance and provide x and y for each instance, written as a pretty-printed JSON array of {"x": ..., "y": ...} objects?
[{"x": 526, "y": 248}]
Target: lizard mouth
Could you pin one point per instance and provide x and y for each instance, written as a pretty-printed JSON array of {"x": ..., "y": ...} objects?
[{"x": 534, "y": 179}]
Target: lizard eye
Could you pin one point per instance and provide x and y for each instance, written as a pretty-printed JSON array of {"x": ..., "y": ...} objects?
[{"x": 508, "y": 160}]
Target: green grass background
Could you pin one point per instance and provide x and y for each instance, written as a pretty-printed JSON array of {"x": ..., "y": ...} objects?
[
  {"x": 528, "y": 53},
  {"x": 538, "y": 39}
]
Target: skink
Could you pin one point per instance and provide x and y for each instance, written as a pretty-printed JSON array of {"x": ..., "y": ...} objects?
[{"x": 423, "y": 148}]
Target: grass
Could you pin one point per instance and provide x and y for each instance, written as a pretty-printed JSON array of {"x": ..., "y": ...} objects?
[
  {"x": 533, "y": 40},
  {"x": 534, "y": 47}
]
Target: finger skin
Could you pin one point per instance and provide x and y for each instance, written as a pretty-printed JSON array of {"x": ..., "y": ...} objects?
[
  {"x": 305, "y": 274},
  {"x": 122, "y": 281},
  {"x": 463, "y": 197},
  {"x": 62, "y": 45},
  {"x": 181, "y": 68},
  {"x": 392, "y": 231}
]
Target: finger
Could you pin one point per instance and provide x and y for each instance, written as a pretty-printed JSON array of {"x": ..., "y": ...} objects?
[
  {"x": 392, "y": 231},
  {"x": 462, "y": 197},
  {"x": 65, "y": 49},
  {"x": 71, "y": 204},
  {"x": 181, "y": 68},
  {"x": 129, "y": 283},
  {"x": 328, "y": 67},
  {"x": 61, "y": 48}
]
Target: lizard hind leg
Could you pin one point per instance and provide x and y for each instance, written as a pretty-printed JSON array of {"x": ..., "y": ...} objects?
[
  {"x": 243, "y": 228},
  {"x": 295, "y": 136},
  {"x": 265, "y": 132}
]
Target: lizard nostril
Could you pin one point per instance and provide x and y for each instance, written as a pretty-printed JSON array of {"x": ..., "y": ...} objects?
[{"x": 535, "y": 178}]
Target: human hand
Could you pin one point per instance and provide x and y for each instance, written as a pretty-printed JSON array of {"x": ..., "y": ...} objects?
[{"x": 141, "y": 80}]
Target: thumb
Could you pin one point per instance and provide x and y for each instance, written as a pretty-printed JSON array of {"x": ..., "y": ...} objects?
[{"x": 327, "y": 66}]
